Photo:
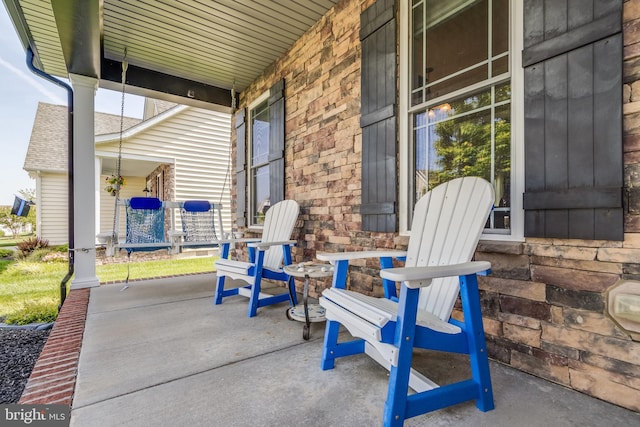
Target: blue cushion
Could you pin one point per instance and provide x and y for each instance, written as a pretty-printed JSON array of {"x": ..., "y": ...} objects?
[
  {"x": 196, "y": 206},
  {"x": 150, "y": 203}
]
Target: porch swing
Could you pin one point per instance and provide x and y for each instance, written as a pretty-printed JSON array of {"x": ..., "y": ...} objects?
[
  {"x": 145, "y": 217},
  {"x": 201, "y": 220}
]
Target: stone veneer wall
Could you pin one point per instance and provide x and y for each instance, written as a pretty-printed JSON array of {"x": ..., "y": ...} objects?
[{"x": 544, "y": 305}]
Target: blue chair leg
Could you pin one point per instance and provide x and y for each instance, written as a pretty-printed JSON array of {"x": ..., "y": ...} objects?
[
  {"x": 330, "y": 343},
  {"x": 254, "y": 299},
  {"x": 219, "y": 290},
  {"x": 477, "y": 344},
  {"x": 332, "y": 349},
  {"x": 395, "y": 408}
]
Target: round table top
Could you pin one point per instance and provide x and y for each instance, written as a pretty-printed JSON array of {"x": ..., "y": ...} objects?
[
  {"x": 315, "y": 312},
  {"x": 309, "y": 269}
]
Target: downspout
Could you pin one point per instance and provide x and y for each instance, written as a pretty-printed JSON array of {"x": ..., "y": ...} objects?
[{"x": 32, "y": 67}]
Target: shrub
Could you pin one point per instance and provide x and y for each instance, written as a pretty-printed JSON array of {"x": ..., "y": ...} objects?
[
  {"x": 27, "y": 246},
  {"x": 33, "y": 312},
  {"x": 61, "y": 248},
  {"x": 40, "y": 255}
]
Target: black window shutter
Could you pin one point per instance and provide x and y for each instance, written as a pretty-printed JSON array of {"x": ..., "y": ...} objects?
[
  {"x": 241, "y": 173},
  {"x": 572, "y": 63},
  {"x": 276, "y": 142},
  {"x": 378, "y": 117}
]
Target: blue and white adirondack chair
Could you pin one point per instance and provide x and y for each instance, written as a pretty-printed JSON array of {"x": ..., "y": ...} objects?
[
  {"x": 267, "y": 257},
  {"x": 446, "y": 227}
]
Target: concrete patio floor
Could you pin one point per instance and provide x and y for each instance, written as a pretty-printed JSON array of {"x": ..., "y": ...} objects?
[{"x": 161, "y": 354}]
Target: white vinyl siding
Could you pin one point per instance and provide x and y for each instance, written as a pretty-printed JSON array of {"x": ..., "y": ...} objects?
[
  {"x": 53, "y": 205},
  {"x": 197, "y": 142}
]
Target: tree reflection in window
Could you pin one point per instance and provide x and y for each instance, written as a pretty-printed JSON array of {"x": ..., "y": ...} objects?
[{"x": 467, "y": 136}]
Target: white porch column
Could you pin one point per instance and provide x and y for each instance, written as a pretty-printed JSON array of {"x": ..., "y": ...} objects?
[
  {"x": 97, "y": 189},
  {"x": 84, "y": 181}
]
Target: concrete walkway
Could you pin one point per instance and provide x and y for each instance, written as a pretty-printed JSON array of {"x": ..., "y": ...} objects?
[{"x": 161, "y": 354}]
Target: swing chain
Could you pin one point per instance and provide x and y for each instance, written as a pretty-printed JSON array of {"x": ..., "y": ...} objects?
[{"x": 125, "y": 66}]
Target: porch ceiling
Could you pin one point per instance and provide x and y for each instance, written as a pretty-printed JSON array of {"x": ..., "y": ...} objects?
[
  {"x": 129, "y": 167},
  {"x": 196, "y": 49}
]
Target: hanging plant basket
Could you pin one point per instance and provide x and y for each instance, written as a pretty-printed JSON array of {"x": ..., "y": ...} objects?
[{"x": 113, "y": 182}]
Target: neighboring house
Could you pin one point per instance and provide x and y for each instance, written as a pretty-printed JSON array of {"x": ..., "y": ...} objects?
[
  {"x": 177, "y": 153},
  {"x": 379, "y": 100}
]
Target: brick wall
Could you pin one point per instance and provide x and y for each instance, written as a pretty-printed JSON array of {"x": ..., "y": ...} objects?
[{"x": 544, "y": 306}]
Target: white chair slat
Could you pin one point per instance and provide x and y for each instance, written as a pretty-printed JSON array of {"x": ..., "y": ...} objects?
[
  {"x": 453, "y": 243},
  {"x": 379, "y": 311},
  {"x": 372, "y": 310},
  {"x": 278, "y": 227}
]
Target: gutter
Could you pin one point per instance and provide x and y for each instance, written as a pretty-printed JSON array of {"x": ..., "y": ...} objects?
[{"x": 38, "y": 72}]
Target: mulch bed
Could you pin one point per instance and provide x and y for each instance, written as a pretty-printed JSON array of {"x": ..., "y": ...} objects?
[{"x": 19, "y": 351}]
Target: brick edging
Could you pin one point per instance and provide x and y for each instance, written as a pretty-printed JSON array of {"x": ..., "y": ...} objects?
[{"x": 53, "y": 378}]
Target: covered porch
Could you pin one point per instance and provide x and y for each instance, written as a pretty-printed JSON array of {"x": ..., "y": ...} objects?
[
  {"x": 545, "y": 306},
  {"x": 161, "y": 353}
]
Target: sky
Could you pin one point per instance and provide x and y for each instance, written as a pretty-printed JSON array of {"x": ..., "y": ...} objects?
[{"x": 20, "y": 92}]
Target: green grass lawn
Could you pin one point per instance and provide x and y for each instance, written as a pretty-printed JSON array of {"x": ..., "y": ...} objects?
[{"x": 26, "y": 285}]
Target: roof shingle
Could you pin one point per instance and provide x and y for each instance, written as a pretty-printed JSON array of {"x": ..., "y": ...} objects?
[{"x": 48, "y": 144}]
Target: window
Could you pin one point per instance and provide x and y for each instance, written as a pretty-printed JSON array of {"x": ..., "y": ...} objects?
[
  {"x": 260, "y": 156},
  {"x": 160, "y": 185},
  {"x": 458, "y": 99},
  {"x": 259, "y": 200}
]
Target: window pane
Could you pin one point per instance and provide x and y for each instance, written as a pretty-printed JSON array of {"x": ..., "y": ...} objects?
[
  {"x": 500, "y": 66},
  {"x": 500, "y": 27},
  {"x": 422, "y": 157},
  {"x": 468, "y": 136},
  {"x": 503, "y": 92},
  {"x": 460, "y": 147},
  {"x": 459, "y": 106},
  {"x": 460, "y": 81},
  {"x": 260, "y": 199},
  {"x": 260, "y": 134},
  {"x": 418, "y": 74},
  {"x": 502, "y": 169},
  {"x": 456, "y": 39}
]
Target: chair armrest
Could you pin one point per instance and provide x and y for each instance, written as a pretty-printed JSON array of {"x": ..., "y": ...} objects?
[
  {"x": 417, "y": 277},
  {"x": 248, "y": 240},
  {"x": 342, "y": 256},
  {"x": 266, "y": 245},
  {"x": 105, "y": 237}
]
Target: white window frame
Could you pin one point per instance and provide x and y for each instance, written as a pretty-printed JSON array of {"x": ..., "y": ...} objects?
[
  {"x": 517, "y": 124},
  {"x": 249, "y": 201}
]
